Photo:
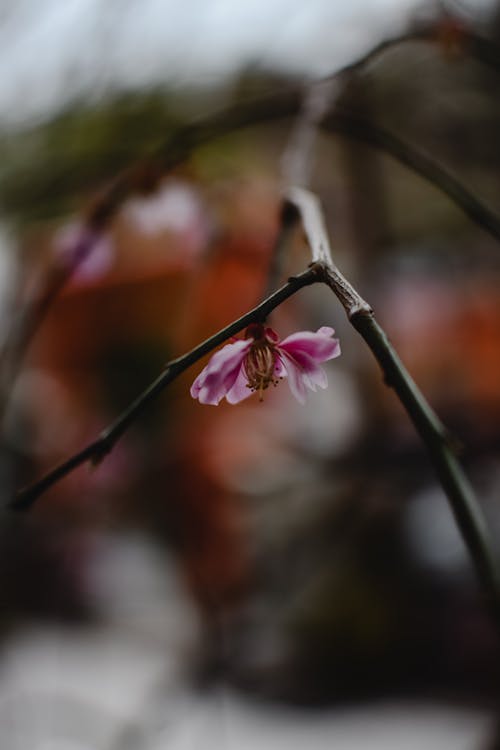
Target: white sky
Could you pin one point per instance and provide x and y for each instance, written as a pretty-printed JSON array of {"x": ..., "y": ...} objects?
[{"x": 55, "y": 48}]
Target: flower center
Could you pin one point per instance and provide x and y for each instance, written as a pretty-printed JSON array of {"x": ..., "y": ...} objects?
[{"x": 260, "y": 366}]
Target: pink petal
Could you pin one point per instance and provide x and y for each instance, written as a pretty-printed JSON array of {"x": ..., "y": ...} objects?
[
  {"x": 295, "y": 377},
  {"x": 221, "y": 372},
  {"x": 279, "y": 369},
  {"x": 320, "y": 345},
  {"x": 83, "y": 251},
  {"x": 311, "y": 370},
  {"x": 239, "y": 390},
  {"x": 271, "y": 335},
  {"x": 326, "y": 331}
]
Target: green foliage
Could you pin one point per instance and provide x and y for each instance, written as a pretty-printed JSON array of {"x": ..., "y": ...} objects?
[{"x": 46, "y": 170}]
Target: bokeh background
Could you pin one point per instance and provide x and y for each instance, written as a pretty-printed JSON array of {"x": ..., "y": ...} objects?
[{"x": 269, "y": 574}]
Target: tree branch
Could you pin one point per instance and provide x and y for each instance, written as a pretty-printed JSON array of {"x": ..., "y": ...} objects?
[
  {"x": 373, "y": 135},
  {"x": 283, "y": 103},
  {"x": 459, "y": 492},
  {"x": 464, "y": 506},
  {"x": 289, "y": 219},
  {"x": 434, "y": 435},
  {"x": 279, "y": 105},
  {"x": 99, "y": 448}
]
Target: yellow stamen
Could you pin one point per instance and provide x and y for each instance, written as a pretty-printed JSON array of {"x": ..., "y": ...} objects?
[{"x": 260, "y": 365}]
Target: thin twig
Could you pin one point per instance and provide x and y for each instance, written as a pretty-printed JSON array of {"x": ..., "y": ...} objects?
[
  {"x": 483, "y": 49},
  {"x": 99, "y": 448},
  {"x": 435, "y": 436},
  {"x": 178, "y": 147},
  {"x": 282, "y": 104},
  {"x": 349, "y": 125},
  {"x": 278, "y": 104},
  {"x": 422, "y": 33},
  {"x": 362, "y": 130},
  {"x": 469, "y": 44},
  {"x": 289, "y": 219},
  {"x": 311, "y": 213},
  {"x": 26, "y": 323},
  {"x": 296, "y": 167},
  {"x": 440, "y": 445},
  {"x": 297, "y": 160}
]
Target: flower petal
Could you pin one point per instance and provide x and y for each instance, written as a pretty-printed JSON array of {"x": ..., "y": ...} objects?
[
  {"x": 297, "y": 357},
  {"x": 295, "y": 377},
  {"x": 279, "y": 368},
  {"x": 221, "y": 372},
  {"x": 239, "y": 390},
  {"x": 320, "y": 345},
  {"x": 326, "y": 331},
  {"x": 271, "y": 335},
  {"x": 313, "y": 374}
]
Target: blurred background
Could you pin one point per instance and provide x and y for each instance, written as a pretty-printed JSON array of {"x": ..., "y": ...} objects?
[{"x": 268, "y": 574}]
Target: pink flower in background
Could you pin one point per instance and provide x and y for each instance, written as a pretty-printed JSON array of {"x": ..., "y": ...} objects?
[
  {"x": 176, "y": 207},
  {"x": 261, "y": 359},
  {"x": 85, "y": 252}
]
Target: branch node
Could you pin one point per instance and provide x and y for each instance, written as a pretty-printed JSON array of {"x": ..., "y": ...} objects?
[{"x": 361, "y": 309}]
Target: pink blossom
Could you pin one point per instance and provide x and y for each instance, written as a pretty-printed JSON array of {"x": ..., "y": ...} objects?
[
  {"x": 261, "y": 359},
  {"x": 85, "y": 252}
]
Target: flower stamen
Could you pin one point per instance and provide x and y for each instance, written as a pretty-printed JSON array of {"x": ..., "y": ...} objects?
[{"x": 260, "y": 366}]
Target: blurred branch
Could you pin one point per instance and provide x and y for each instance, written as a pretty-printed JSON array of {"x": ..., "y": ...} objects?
[
  {"x": 352, "y": 127},
  {"x": 177, "y": 148},
  {"x": 433, "y": 433},
  {"x": 435, "y": 436},
  {"x": 371, "y": 134},
  {"x": 99, "y": 448},
  {"x": 297, "y": 159},
  {"x": 110, "y": 200},
  {"x": 445, "y": 31},
  {"x": 289, "y": 218},
  {"x": 26, "y": 323},
  {"x": 296, "y": 165},
  {"x": 482, "y": 49},
  {"x": 281, "y": 104},
  {"x": 23, "y": 327}
]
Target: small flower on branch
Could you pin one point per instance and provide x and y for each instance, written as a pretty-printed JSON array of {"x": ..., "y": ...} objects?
[{"x": 252, "y": 364}]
